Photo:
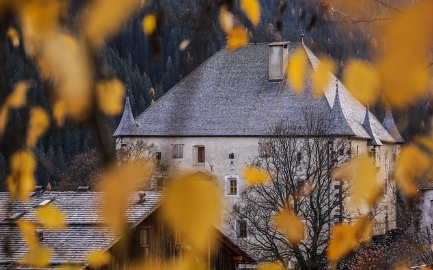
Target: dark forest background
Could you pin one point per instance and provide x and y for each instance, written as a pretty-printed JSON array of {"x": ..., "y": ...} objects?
[{"x": 149, "y": 67}]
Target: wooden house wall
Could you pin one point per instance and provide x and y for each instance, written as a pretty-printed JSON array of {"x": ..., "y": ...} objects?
[{"x": 162, "y": 247}]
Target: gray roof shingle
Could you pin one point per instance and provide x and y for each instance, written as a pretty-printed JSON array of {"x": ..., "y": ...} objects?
[
  {"x": 230, "y": 95},
  {"x": 127, "y": 122},
  {"x": 367, "y": 126},
  {"x": 389, "y": 124}
]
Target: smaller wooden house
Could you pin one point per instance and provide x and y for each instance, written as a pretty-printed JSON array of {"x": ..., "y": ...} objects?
[{"x": 150, "y": 236}]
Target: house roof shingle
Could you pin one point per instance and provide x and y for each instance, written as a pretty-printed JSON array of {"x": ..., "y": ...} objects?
[
  {"x": 230, "y": 95},
  {"x": 127, "y": 122},
  {"x": 389, "y": 124}
]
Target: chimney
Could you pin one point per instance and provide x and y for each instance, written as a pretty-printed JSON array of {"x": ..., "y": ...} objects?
[
  {"x": 142, "y": 196},
  {"x": 83, "y": 188},
  {"x": 38, "y": 191},
  {"x": 278, "y": 58}
]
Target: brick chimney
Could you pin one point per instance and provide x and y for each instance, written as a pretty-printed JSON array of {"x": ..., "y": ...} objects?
[{"x": 278, "y": 58}]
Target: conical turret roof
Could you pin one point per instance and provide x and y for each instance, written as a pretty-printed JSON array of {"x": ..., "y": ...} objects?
[
  {"x": 337, "y": 121},
  {"x": 389, "y": 124},
  {"x": 127, "y": 122},
  {"x": 367, "y": 126}
]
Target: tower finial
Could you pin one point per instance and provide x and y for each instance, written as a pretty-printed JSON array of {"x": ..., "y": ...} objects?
[{"x": 302, "y": 37}]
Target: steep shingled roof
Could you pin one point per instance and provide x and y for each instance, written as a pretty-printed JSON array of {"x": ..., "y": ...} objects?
[
  {"x": 127, "y": 122},
  {"x": 389, "y": 124},
  {"x": 85, "y": 231},
  {"x": 230, "y": 95}
]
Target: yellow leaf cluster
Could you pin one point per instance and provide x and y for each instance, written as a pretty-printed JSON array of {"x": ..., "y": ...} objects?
[
  {"x": 320, "y": 77},
  {"x": 362, "y": 80},
  {"x": 192, "y": 205},
  {"x": 403, "y": 64},
  {"x": 98, "y": 259},
  {"x": 347, "y": 237},
  {"x": 38, "y": 124},
  {"x": 291, "y": 225},
  {"x": 118, "y": 183},
  {"x": 297, "y": 69},
  {"x": 59, "y": 112},
  {"x": 13, "y": 35},
  {"x": 51, "y": 217},
  {"x": 37, "y": 257},
  {"x": 255, "y": 176},
  {"x": 21, "y": 179},
  {"x": 105, "y": 17},
  {"x": 411, "y": 164},
  {"x": 110, "y": 94},
  {"x": 252, "y": 10},
  {"x": 270, "y": 266},
  {"x": 226, "y": 19},
  {"x": 27, "y": 229},
  {"x": 149, "y": 24},
  {"x": 237, "y": 38}
]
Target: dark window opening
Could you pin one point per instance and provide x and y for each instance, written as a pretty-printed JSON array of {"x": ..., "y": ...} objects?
[
  {"x": 242, "y": 229},
  {"x": 233, "y": 186},
  {"x": 200, "y": 154}
]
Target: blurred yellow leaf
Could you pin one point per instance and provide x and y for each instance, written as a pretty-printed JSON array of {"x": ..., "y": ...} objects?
[
  {"x": 104, "y": 18},
  {"x": 320, "y": 77},
  {"x": 362, "y": 80},
  {"x": 237, "y": 38},
  {"x": 37, "y": 257},
  {"x": 51, "y": 217},
  {"x": 3, "y": 118},
  {"x": 343, "y": 240},
  {"x": 364, "y": 229},
  {"x": 192, "y": 204},
  {"x": 411, "y": 164},
  {"x": 18, "y": 96},
  {"x": 98, "y": 259},
  {"x": 69, "y": 267},
  {"x": 404, "y": 61},
  {"x": 13, "y": 35},
  {"x": 39, "y": 21},
  {"x": 149, "y": 24},
  {"x": 38, "y": 124},
  {"x": 184, "y": 44},
  {"x": 402, "y": 267},
  {"x": 21, "y": 179},
  {"x": 64, "y": 61},
  {"x": 254, "y": 175},
  {"x": 59, "y": 112},
  {"x": 118, "y": 183},
  {"x": 252, "y": 10},
  {"x": 296, "y": 70},
  {"x": 365, "y": 187},
  {"x": 291, "y": 225},
  {"x": 226, "y": 19},
  {"x": 110, "y": 94},
  {"x": 28, "y": 229}
]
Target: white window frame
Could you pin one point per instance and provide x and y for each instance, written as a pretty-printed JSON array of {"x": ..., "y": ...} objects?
[{"x": 227, "y": 185}]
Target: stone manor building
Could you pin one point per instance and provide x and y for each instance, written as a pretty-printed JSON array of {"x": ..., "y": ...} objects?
[{"x": 212, "y": 121}]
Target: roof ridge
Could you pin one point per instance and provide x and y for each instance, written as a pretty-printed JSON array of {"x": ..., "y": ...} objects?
[{"x": 174, "y": 86}]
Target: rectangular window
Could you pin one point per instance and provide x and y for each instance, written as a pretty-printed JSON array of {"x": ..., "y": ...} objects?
[
  {"x": 200, "y": 154},
  {"x": 145, "y": 240},
  {"x": 233, "y": 186},
  {"x": 177, "y": 150},
  {"x": 123, "y": 145},
  {"x": 158, "y": 155},
  {"x": 159, "y": 183},
  {"x": 242, "y": 229}
]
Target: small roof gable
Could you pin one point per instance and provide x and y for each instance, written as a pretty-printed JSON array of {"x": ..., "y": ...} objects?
[
  {"x": 389, "y": 124},
  {"x": 374, "y": 140},
  {"x": 127, "y": 123},
  {"x": 338, "y": 124}
]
